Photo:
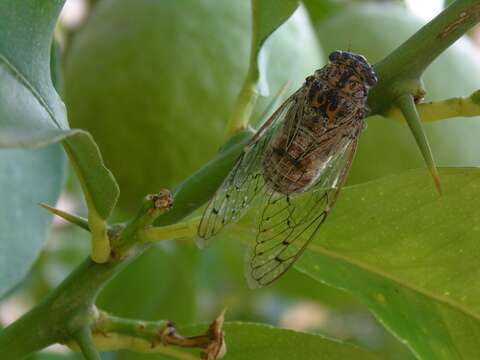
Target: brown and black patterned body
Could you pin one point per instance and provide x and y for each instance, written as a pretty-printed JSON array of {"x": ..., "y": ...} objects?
[
  {"x": 308, "y": 144},
  {"x": 328, "y": 109}
]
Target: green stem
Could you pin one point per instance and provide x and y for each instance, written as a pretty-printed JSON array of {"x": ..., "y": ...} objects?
[
  {"x": 87, "y": 345},
  {"x": 406, "y": 64},
  {"x": 444, "y": 30},
  {"x": 113, "y": 332},
  {"x": 247, "y": 98},
  {"x": 150, "y": 331},
  {"x": 64, "y": 312},
  {"x": 175, "y": 231},
  {"x": 198, "y": 188},
  {"x": 100, "y": 242},
  {"x": 444, "y": 109},
  {"x": 55, "y": 318},
  {"x": 115, "y": 342},
  {"x": 244, "y": 105},
  {"x": 97, "y": 225},
  {"x": 26, "y": 335},
  {"x": 153, "y": 206}
]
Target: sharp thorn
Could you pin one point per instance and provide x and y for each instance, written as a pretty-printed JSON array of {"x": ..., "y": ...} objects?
[{"x": 71, "y": 218}]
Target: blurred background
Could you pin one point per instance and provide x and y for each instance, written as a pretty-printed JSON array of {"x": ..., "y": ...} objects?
[{"x": 154, "y": 82}]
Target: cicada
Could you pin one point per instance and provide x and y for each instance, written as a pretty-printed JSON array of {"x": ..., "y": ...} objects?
[{"x": 295, "y": 165}]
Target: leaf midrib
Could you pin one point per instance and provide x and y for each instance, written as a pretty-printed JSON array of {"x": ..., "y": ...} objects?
[
  {"x": 363, "y": 266},
  {"x": 24, "y": 81}
]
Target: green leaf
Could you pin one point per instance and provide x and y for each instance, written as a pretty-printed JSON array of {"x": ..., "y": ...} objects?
[
  {"x": 323, "y": 9},
  {"x": 255, "y": 341},
  {"x": 267, "y": 16},
  {"x": 27, "y": 177},
  {"x": 410, "y": 255},
  {"x": 447, "y": 3},
  {"x": 166, "y": 289},
  {"x": 31, "y": 111},
  {"x": 198, "y": 188}
]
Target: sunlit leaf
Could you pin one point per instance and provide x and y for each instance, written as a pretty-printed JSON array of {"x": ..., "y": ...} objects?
[{"x": 409, "y": 254}]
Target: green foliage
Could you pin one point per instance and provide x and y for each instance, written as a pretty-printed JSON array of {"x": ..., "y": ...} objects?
[
  {"x": 162, "y": 295},
  {"x": 257, "y": 341},
  {"x": 177, "y": 95},
  {"x": 31, "y": 112},
  {"x": 254, "y": 341},
  {"x": 26, "y": 178},
  {"x": 476, "y": 97},
  {"x": 398, "y": 246},
  {"x": 375, "y": 30},
  {"x": 267, "y": 16},
  {"x": 156, "y": 82}
]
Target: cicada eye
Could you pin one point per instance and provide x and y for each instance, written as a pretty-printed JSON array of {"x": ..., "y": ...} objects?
[
  {"x": 360, "y": 58},
  {"x": 335, "y": 55},
  {"x": 309, "y": 79},
  {"x": 372, "y": 78}
]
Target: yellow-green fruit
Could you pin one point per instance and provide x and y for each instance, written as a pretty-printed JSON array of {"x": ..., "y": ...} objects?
[
  {"x": 375, "y": 30},
  {"x": 155, "y": 82}
]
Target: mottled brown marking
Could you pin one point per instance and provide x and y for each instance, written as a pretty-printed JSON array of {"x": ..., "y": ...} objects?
[
  {"x": 332, "y": 100},
  {"x": 307, "y": 144}
]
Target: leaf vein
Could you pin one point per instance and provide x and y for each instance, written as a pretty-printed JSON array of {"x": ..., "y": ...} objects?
[
  {"x": 22, "y": 78},
  {"x": 362, "y": 265}
]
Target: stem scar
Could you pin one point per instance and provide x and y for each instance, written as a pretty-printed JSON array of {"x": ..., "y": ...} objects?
[
  {"x": 161, "y": 201},
  {"x": 463, "y": 17}
]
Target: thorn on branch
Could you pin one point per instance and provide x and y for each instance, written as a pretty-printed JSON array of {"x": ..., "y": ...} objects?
[
  {"x": 71, "y": 218},
  {"x": 406, "y": 104},
  {"x": 86, "y": 344}
]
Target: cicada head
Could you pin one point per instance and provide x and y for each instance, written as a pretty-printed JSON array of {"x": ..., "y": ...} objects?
[{"x": 358, "y": 63}]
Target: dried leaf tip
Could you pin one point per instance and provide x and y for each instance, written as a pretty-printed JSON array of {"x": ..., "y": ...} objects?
[
  {"x": 217, "y": 347},
  {"x": 212, "y": 341}
]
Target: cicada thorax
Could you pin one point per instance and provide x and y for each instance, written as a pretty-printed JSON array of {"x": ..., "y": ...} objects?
[{"x": 328, "y": 105}]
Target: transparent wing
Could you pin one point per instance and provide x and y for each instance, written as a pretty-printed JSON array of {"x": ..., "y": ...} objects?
[
  {"x": 286, "y": 224},
  {"x": 245, "y": 182}
]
